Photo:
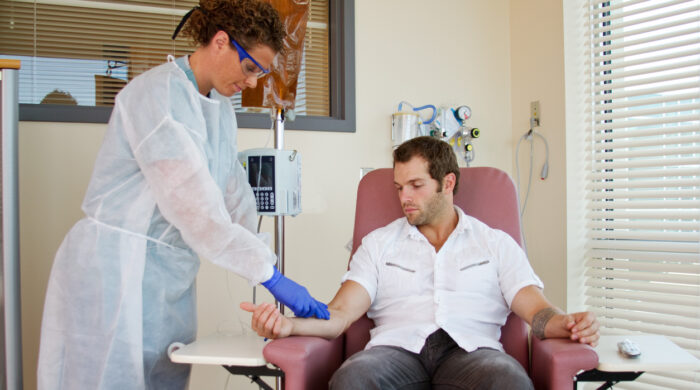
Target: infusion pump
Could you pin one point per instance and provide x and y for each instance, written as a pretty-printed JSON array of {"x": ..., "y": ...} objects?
[{"x": 275, "y": 176}]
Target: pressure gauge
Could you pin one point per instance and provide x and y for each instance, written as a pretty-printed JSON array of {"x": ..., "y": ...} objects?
[{"x": 463, "y": 113}]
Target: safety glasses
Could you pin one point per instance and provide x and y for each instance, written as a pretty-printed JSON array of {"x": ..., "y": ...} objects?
[{"x": 248, "y": 64}]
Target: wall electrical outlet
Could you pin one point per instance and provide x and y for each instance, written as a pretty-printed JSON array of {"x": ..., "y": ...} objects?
[{"x": 535, "y": 113}]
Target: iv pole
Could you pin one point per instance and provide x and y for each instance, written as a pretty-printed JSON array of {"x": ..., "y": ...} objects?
[{"x": 279, "y": 221}]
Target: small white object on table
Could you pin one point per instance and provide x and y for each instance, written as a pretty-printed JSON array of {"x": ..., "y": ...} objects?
[{"x": 658, "y": 353}]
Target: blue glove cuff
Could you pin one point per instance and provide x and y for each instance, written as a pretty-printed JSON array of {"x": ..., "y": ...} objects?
[{"x": 276, "y": 276}]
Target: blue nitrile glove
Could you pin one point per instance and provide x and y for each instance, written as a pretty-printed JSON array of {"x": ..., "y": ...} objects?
[{"x": 295, "y": 297}]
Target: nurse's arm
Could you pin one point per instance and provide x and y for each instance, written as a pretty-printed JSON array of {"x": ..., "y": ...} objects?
[{"x": 349, "y": 304}]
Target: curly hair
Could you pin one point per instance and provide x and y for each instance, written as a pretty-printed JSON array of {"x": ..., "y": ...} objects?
[
  {"x": 249, "y": 22},
  {"x": 439, "y": 155}
]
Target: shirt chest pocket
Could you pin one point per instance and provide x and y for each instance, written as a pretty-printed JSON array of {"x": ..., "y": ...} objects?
[
  {"x": 477, "y": 274},
  {"x": 401, "y": 277}
]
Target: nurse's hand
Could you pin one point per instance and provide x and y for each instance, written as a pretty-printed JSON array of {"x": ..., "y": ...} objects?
[{"x": 295, "y": 297}]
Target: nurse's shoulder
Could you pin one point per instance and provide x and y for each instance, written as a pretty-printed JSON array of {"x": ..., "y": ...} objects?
[{"x": 158, "y": 82}]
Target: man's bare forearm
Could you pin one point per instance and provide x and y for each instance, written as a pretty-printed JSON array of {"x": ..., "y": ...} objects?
[
  {"x": 548, "y": 321},
  {"x": 328, "y": 329},
  {"x": 350, "y": 303}
]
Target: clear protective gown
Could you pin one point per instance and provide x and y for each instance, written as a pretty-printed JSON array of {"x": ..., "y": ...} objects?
[{"x": 167, "y": 186}]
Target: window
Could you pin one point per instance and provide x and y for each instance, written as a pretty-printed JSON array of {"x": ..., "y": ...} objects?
[
  {"x": 642, "y": 172},
  {"x": 77, "y": 54}
]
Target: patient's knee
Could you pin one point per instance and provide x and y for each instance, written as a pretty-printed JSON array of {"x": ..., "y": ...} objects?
[
  {"x": 505, "y": 373},
  {"x": 359, "y": 372},
  {"x": 382, "y": 368}
]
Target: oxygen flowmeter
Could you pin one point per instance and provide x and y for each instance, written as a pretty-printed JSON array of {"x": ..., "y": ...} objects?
[{"x": 275, "y": 176}]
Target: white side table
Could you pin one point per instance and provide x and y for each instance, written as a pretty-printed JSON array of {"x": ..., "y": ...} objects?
[
  {"x": 239, "y": 354},
  {"x": 658, "y": 354}
]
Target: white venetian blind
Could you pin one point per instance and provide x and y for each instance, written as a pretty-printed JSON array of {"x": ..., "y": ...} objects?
[
  {"x": 643, "y": 184},
  {"x": 314, "y": 81},
  {"x": 82, "y": 52}
]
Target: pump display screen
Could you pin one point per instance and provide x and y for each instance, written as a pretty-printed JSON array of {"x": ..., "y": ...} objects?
[{"x": 261, "y": 176}]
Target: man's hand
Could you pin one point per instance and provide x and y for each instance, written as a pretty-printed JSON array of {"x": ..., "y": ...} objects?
[
  {"x": 579, "y": 327},
  {"x": 267, "y": 320},
  {"x": 583, "y": 327},
  {"x": 547, "y": 321},
  {"x": 349, "y": 304}
]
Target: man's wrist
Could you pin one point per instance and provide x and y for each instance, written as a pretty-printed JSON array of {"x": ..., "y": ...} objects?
[
  {"x": 540, "y": 320},
  {"x": 293, "y": 327}
]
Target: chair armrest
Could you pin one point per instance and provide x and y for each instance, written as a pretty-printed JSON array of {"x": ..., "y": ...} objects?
[
  {"x": 307, "y": 362},
  {"x": 555, "y": 362}
]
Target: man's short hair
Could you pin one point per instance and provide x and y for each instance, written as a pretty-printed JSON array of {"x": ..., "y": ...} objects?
[{"x": 439, "y": 155}]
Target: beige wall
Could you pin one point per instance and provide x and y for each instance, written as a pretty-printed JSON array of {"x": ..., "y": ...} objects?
[
  {"x": 55, "y": 163},
  {"x": 448, "y": 52},
  {"x": 537, "y": 73}
]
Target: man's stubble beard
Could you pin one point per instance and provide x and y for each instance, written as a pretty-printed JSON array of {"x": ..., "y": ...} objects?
[{"x": 433, "y": 208}]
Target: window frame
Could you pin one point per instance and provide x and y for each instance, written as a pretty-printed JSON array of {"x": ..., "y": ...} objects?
[{"x": 342, "y": 88}]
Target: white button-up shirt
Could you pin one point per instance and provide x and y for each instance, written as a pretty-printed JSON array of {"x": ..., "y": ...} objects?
[{"x": 466, "y": 288}]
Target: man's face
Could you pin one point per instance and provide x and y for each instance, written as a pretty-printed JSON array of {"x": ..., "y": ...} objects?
[{"x": 419, "y": 194}]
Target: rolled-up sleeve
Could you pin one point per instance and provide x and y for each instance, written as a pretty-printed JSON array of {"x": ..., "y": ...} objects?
[
  {"x": 514, "y": 269},
  {"x": 363, "y": 267}
]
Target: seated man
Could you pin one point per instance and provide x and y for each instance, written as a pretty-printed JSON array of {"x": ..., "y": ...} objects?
[{"x": 439, "y": 285}]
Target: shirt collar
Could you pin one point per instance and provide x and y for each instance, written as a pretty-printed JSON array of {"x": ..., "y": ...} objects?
[
  {"x": 410, "y": 231},
  {"x": 462, "y": 224}
]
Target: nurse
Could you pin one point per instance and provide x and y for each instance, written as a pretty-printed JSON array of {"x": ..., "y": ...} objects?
[{"x": 166, "y": 189}]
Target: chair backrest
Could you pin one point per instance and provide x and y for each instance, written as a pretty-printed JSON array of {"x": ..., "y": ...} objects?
[{"x": 487, "y": 194}]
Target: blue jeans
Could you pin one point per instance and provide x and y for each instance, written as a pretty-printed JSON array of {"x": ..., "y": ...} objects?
[{"x": 441, "y": 364}]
